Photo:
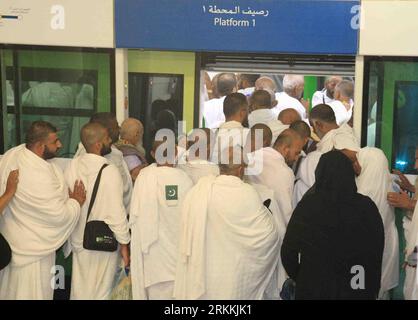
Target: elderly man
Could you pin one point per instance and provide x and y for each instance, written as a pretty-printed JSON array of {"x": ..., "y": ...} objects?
[
  {"x": 159, "y": 192},
  {"x": 199, "y": 150},
  {"x": 130, "y": 144},
  {"x": 265, "y": 83},
  {"x": 115, "y": 157},
  {"x": 343, "y": 103},
  {"x": 232, "y": 132},
  {"x": 322, "y": 119},
  {"x": 40, "y": 217},
  {"x": 291, "y": 97},
  {"x": 229, "y": 241},
  {"x": 275, "y": 172},
  {"x": 212, "y": 112},
  {"x": 326, "y": 95},
  {"x": 94, "y": 271}
]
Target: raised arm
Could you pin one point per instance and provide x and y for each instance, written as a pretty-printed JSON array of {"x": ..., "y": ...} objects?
[{"x": 11, "y": 187}]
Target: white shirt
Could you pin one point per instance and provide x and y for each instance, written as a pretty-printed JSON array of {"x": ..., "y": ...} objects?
[
  {"x": 342, "y": 115},
  {"x": 213, "y": 113},
  {"x": 287, "y": 102},
  {"x": 260, "y": 116},
  {"x": 227, "y": 132},
  {"x": 247, "y": 91},
  {"x": 320, "y": 97}
]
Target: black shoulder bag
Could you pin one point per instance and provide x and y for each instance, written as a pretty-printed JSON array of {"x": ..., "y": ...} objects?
[
  {"x": 5, "y": 253},
  {"x": 97, "y": 234}
]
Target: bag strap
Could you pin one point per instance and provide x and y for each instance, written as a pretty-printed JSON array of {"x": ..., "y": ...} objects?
[{"x": 95, "y": 188}]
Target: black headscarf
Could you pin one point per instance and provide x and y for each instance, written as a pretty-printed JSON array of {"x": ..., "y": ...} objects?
[
  {"x": 335, "y": 177},
  {"x": 332, "y": 229}
]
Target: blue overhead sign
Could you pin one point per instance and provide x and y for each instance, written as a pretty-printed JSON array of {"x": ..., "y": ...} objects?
[{"x": 276, "y": 26}]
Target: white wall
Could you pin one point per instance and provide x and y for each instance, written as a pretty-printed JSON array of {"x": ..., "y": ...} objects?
[
  {"x": 389, "y": 28},
  {"x": 80, "y": 23}
]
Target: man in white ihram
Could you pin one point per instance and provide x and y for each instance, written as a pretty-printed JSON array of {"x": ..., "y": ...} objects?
[
  {"x": 261, "y": 105},
  {"x": 229, "y": 241},
  {"x": 155, "y": 223},
  {"x": 291, "y": 97},
  {"x": 326, "y": 95},
  {"x": 115, "y": 157},
  {"x": 212, "y": 111},
  {"x": 343, "y": 103},
  {"x": 40, "y": 217},
  {"x": 199, "y": 149},
  {"x": 93, "y": 272},
  {"x": 275, "y": 172},
  {"x": 322, "y": 119},
  {"x": 375, "y": 168},
  {"x": 232, "y": 132},
  {"x": 260, "y": 137}
]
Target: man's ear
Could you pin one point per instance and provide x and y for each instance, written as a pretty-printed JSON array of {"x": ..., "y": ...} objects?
[
  {"x": 319, "y": 125},
  {"x": 39, "y": 146}
]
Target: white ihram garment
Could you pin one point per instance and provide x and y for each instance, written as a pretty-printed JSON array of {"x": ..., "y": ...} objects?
[
  {"x": 229, "y": 242},
  {"x": 36, "y": 223},
  {"x": 93, "y": 272}
]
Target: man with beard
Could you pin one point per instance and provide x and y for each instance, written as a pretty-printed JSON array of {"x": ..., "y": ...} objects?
[
  {"x": 40, "y": 217},
  {"x": 291, "y": 97},
  {"x": 326, "y": 95},
  {"x": 94, "y": 271},
  {"x": 275, "y": 172},
  {"x": 115, "y": 157}
]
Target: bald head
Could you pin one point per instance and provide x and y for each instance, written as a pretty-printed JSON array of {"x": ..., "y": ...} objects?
[
  {"x": 232, "y": 162},
  {"x": 92, "y": 134},
  {"x": 293, "y": 85},
  {"x": 301, "y": 128},
  {"x": 164, "y": 149},
  {"x": 344, "y": 90},
  {"x": 226, "y": 83},
  {"x": 286, "y": 138},
  {"x": 132, "y": 131},
  {"x": 288, "y": 116},
  {"x": 260, "y": 136},
  {"x": 289, "y": 144},
  {"x": 202, "y": 140},
  {"x": 264, "y": 83},
  {"x": 260, "y": 99}
]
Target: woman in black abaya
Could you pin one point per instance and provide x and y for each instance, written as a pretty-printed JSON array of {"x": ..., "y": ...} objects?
[{"x": 334, "y": 242}]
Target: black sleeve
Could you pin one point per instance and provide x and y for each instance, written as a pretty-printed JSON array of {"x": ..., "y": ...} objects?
[{"x": 293, "y": 239}]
